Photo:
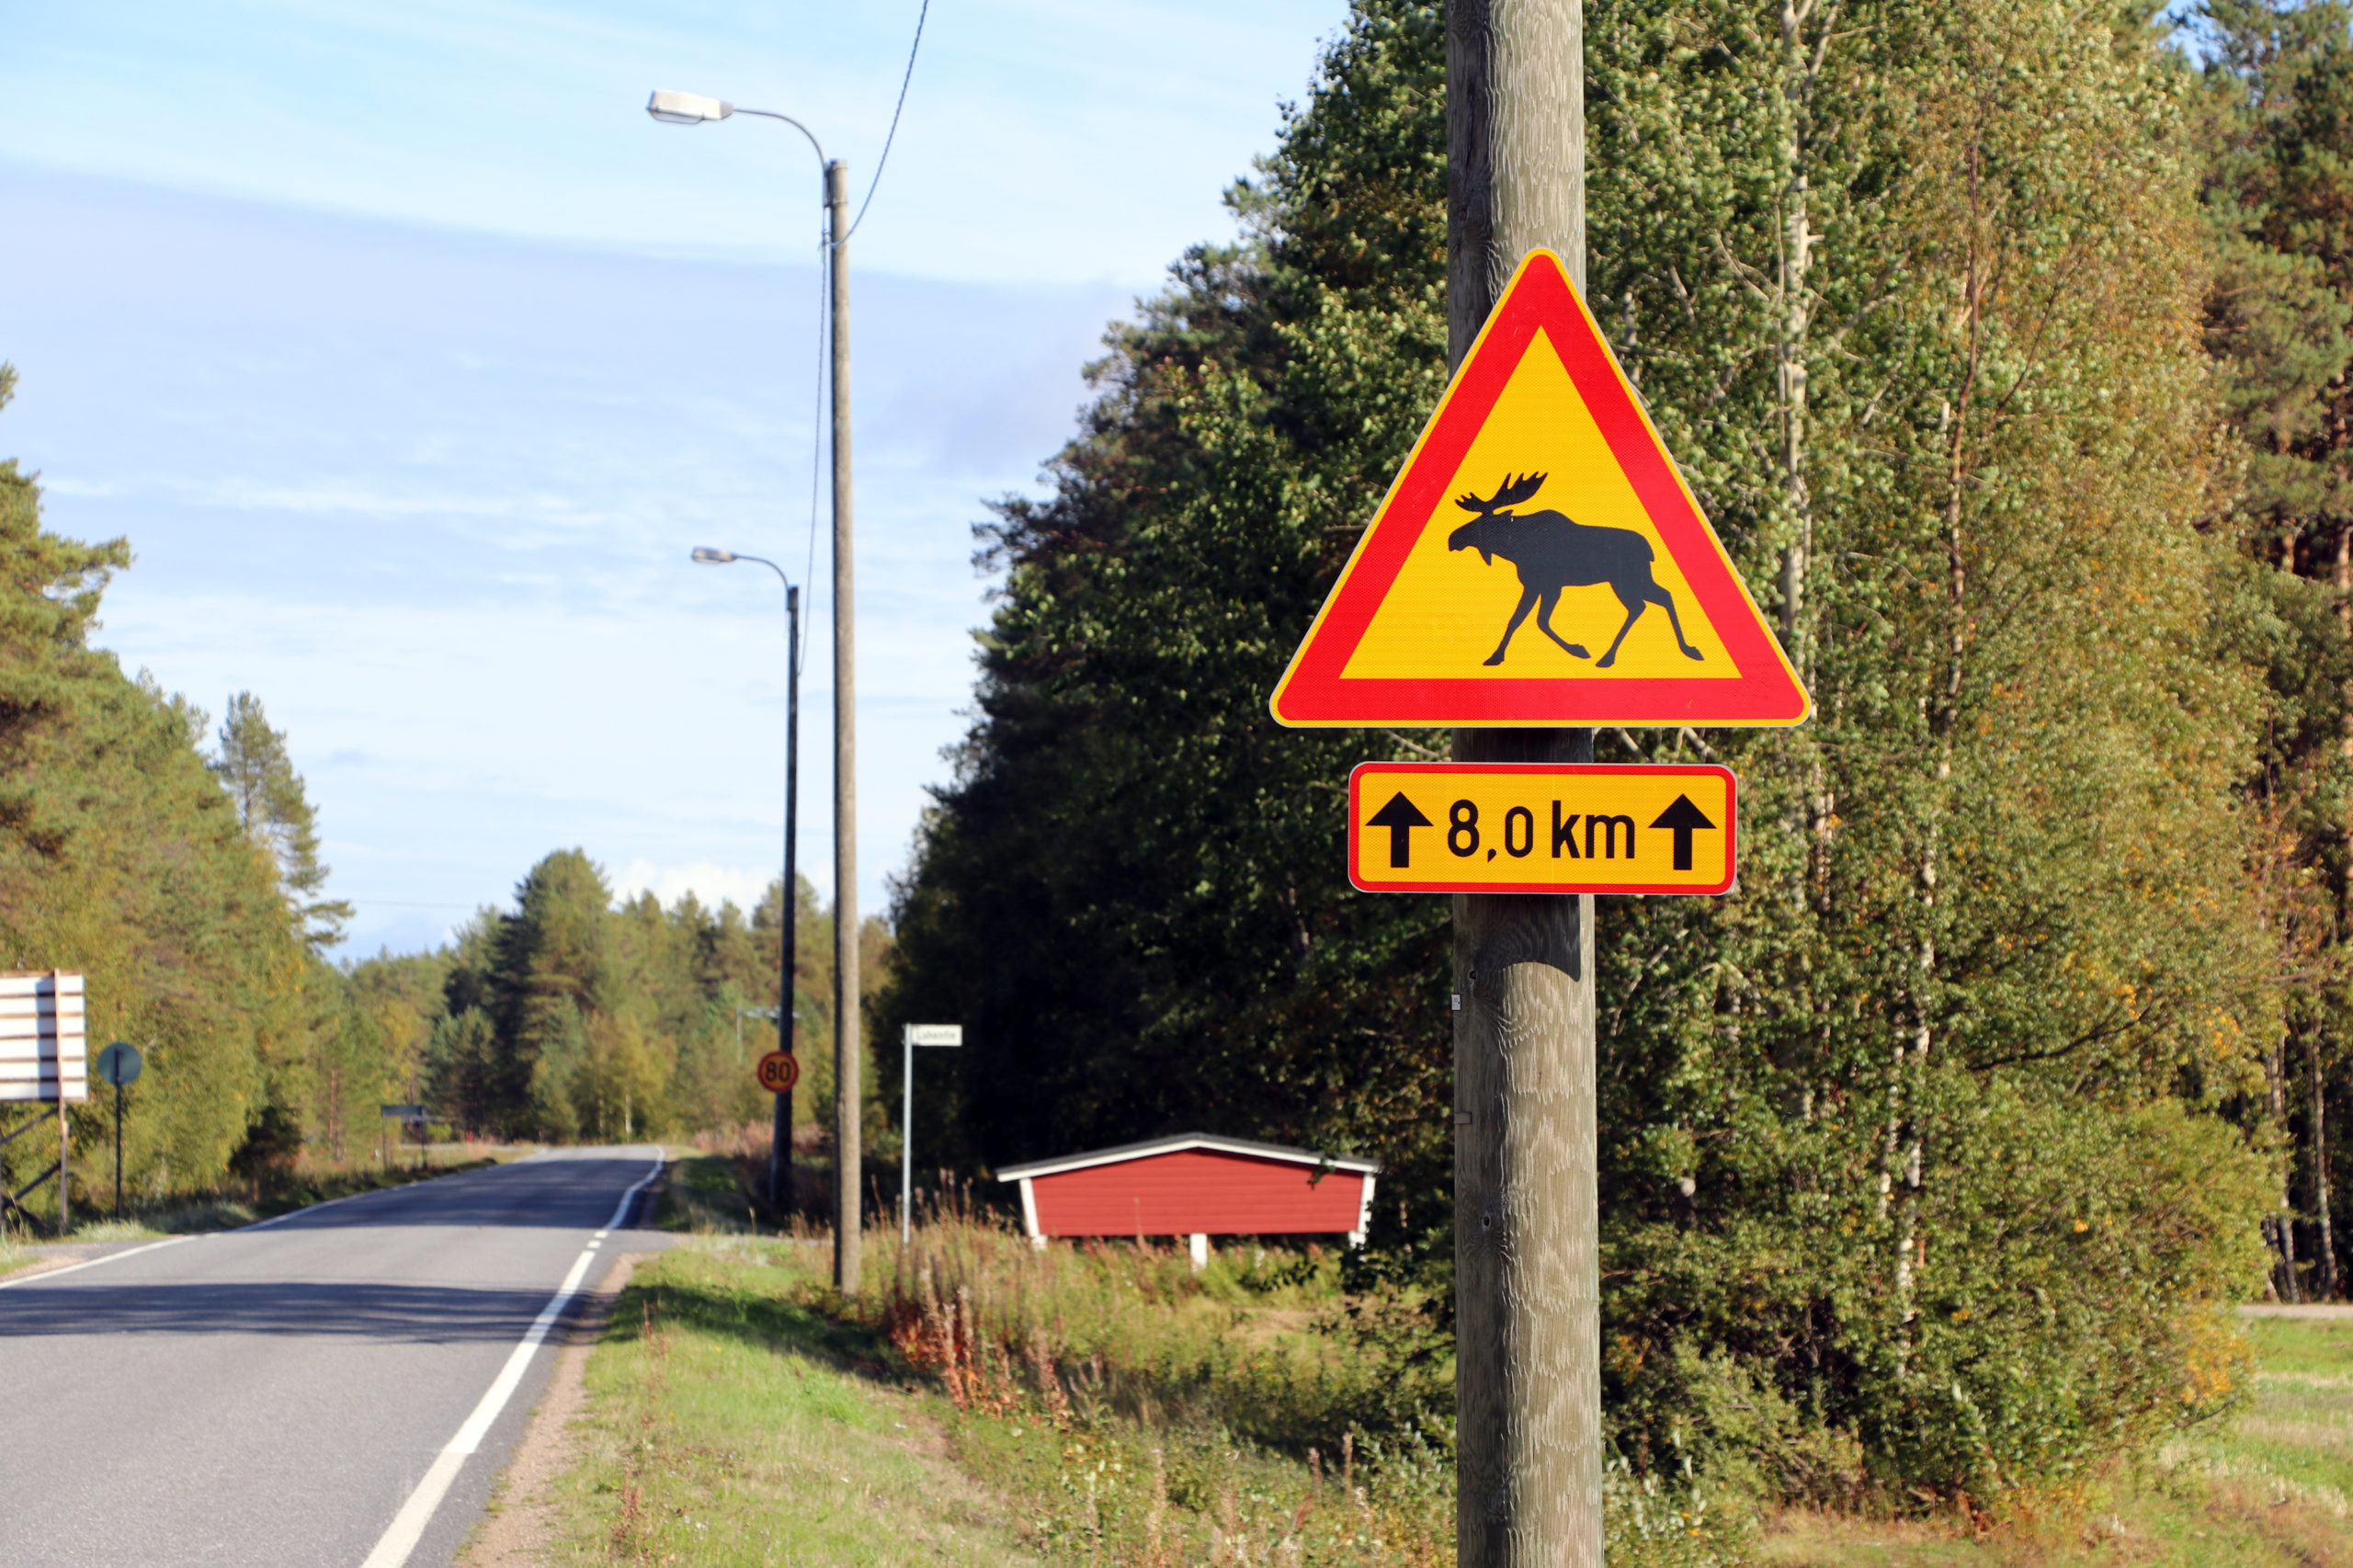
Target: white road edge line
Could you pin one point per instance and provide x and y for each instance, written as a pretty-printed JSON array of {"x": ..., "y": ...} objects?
[
  {"x": 46, "y": 1274},
  {"x": 407, "y": 1528}
]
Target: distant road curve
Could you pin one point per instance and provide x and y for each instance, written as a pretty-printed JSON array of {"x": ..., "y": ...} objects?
[{"x": 337, "y": 1386}]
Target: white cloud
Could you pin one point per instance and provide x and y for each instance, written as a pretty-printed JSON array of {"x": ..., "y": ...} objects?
[
  {"x": 711, "y": 884},
  {"x": 502, "y": 650},
  {"x": 1042, "y": 139}
]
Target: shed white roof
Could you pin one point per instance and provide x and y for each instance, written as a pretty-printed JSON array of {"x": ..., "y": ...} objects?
[{"x": 1181, "y": 1142}]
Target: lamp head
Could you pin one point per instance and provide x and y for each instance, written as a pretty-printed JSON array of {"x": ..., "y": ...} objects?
[
  {"x": 709, "y": 557},
  {"x": 685, "y": 108}
]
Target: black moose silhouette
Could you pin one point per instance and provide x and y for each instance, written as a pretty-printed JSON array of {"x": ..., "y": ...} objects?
[{"x": 1553, "y": 553}]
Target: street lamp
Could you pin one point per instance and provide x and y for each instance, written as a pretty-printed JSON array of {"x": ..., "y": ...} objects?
[
  {"x": 685, "y": 108},
  {"x": 781, "y": 1140},
  {"x": 693, "y": 108}
]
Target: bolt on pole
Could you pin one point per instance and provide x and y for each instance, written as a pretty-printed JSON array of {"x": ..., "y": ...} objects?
[
  {"x": 846, "y": 1052},
  {"x": 1526, "y": 1223}
]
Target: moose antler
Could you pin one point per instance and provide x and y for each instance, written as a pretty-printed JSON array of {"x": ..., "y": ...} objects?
[{"x": 1511, "y": 494}]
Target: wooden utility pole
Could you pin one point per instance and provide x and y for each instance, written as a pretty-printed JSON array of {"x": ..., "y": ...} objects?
[
  {"x": 1528, "y": 1287},
  {"x": 846, "y": 1154}
]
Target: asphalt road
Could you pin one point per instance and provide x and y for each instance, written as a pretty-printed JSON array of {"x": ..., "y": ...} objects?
[{"x": 291, "y": 1392}]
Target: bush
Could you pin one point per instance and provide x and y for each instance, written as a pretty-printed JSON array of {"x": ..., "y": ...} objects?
[
  {"x": 2069, "y": 1298},
  {"x": 273, "y": 1142}
]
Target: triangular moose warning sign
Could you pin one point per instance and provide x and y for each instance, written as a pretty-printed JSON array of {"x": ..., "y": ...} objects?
[{"x": 1539, "y": 560}]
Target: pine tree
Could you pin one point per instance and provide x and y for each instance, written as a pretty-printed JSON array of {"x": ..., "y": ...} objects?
[
  {"x": 121, "y": 857},
  {"x": 2278, "y": 134},
  {"x": 254, "y": 765},
  {"x": 1133, "y": 895}
]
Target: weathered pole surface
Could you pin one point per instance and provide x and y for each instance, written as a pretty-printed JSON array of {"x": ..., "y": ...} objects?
[
  {"x": 1528, "y": 1287},
  {"x": 846, "y": 1154}
]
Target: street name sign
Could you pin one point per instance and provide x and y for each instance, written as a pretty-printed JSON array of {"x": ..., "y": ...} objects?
[
  {"x": 778, "y": 1070},
  {"x": 932, "y": 1034},
  {"x": 1541, "y": 828},
  {"x": 1539, "y": 560},
  {"x": 414, "y": 1115}
]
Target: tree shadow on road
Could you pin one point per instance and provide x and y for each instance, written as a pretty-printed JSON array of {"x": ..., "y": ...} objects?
[{"x": 408, "y": 1314}]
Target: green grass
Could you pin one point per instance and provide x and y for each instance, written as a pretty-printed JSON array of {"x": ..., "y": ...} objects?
[
  {"x": 983, "y": 1403},
  {"x": 728, "y": 1423},
  {"x": 216, "y": 1211},
  {"x": 706, "y": 1194},
  {"x": 741, "y": 1412},
  {"x": 2267, "y": 1491}
]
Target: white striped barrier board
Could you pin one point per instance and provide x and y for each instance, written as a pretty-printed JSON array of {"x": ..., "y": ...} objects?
[{"x": 43, "y": 1048}]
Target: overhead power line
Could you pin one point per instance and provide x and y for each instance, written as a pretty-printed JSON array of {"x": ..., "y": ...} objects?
[
  {"x": 895, "y": 112},
  {"x": 825, "y": 245}
]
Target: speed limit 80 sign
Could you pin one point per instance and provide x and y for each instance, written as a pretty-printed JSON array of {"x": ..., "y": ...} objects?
[{"x": 778, "y": 1070}]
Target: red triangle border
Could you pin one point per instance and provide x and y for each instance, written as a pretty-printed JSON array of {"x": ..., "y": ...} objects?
[{"x": 1539, "y": 298}]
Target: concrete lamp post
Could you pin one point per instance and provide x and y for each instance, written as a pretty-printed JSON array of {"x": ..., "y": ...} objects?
[{"x": 694, "y": 109}]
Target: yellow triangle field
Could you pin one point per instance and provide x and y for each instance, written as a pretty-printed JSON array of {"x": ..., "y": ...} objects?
[
  {"x": 1539, "y": 560},
  {"x": 1448, "y": 609}
]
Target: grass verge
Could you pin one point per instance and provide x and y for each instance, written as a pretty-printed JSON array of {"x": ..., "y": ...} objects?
[
  {"x": 729, "y": 1422},
  {"x": 980, "y": 1400},
  {"x": 2270, "y": 1491},
  {"x": 1105, "y": 1406},
  {"x": 740, "y": 1412}
]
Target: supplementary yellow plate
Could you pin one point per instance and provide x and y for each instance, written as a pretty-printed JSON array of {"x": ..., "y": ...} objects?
[{"x": 1536, "y": 827}]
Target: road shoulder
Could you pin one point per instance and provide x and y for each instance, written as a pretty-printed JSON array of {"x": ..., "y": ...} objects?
[
  {"x": 519, "y": 1526},
  {"x": 723, "y": 1419}
]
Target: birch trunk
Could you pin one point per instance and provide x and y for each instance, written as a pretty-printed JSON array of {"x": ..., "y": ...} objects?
[
  {"x": 1794, "y": 310},
  {"x": 2324, "y": 1243},
  {"x": 1805, "y": 41}
]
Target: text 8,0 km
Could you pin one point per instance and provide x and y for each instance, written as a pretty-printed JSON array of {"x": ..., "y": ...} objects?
[{"x": 1505, "y": 827}]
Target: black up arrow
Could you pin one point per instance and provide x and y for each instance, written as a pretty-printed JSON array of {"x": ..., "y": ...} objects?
[
  {"x": 1682, "y": 819},
  {"x": 1400, "y": 817}
]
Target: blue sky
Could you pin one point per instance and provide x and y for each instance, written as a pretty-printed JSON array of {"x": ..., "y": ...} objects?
[{"x": 412, "y": 358}]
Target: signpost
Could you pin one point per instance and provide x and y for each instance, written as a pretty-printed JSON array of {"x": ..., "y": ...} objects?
[
  {"x": 1557, "y": 828},
  {"x": 778, "y": 1071},
  {"x": 1539, "y": 567},
  {"x": 119, "y": 1064},
  {"x": 911, "y": 1035},
  {"x": 44, "y": 1061}
]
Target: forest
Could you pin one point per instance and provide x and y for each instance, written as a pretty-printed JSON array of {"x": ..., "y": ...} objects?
[{"x": 2006, "y": 347}]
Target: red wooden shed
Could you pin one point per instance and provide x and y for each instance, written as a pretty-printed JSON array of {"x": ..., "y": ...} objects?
[{"x": 1197, "y": 1186}]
